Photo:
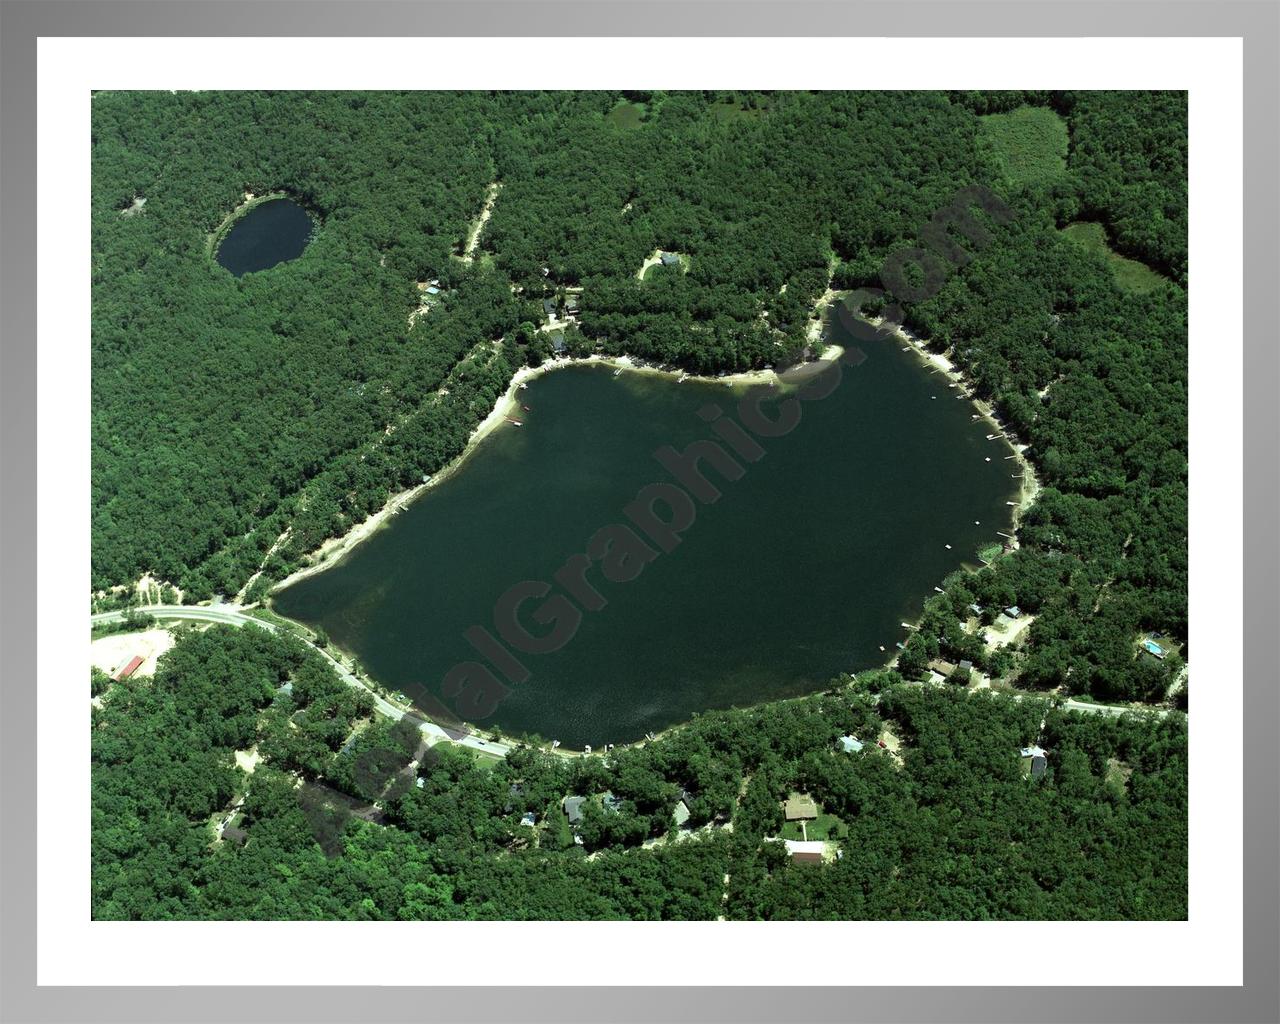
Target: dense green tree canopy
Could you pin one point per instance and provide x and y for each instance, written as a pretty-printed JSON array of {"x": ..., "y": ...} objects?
[{"x": 954, "y": 831}]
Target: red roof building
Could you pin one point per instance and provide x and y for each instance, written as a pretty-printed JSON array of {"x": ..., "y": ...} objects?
[{"x": 134, "y": 663}]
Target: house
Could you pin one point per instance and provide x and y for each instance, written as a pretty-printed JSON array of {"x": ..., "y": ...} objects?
[
  {"x": 800, "y": 807},
  {"x": 1013, "y": 611},
  {"x": 810, "y": 851},
  {"x": 559, "y": 347},
  {"x": 129, "y": 669},
  {"x": 1035, "y": 760},
  {"x": 611, "y": 803},
  {"x": 681, "y": 813},
  {"x": 571, "y": 303},
  {"x": 670, "y": 259},
  {"x": 976, "y": 609},
  {"x": 573, "y": 808},
  {"x": 285, "y": 688},
  {"x": 849, "y": 744},
  {"x": 433, "y": 290},
  {"x": 966, "y": 667},
  {"x": 943, "y": 668},
  {"x": 529, "y": 818},
  {"x": 234, "y": 834},
  {"x": 549, "y": 307}
]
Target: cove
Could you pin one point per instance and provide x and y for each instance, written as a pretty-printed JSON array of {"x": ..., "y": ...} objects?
[
  {"x": 805, "y": 566},
  {"x": 271, "y": 232}
]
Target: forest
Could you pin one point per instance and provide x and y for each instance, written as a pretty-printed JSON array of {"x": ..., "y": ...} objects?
[
  {"x": 240, "y": 422},
  {"x": 947, "y": 827}
]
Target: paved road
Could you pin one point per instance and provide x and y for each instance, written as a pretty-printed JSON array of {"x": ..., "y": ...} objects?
[
  {"x": 233, "y": 615},
  {"x": 1111, "y": 709}
]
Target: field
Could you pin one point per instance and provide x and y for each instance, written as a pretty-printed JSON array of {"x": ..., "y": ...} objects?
[
  {"x": 627, "y": 114},
  {"x": 1030, "y": 144},
  {"x": 1130, "y": 275}
]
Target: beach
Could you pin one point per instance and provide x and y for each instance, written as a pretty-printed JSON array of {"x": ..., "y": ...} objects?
[
  {"x": 335, "y": 548},
  {"x": 943, "y": 365}
]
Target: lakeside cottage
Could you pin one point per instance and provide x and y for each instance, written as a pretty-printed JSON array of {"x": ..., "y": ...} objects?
[
  {"x": 234, "y": 834},
  {"x": 572, "y": 806},
  {"x": 800, "y": 807},
  {"x": 1035, "y": 760}
]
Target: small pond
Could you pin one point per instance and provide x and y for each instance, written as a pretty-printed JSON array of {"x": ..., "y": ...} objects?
[{"x": 270, "y": 233}]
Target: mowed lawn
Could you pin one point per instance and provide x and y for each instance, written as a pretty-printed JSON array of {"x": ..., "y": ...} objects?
[
  {"x": 1029, "y": 143},
  {"x": 1131, "y": 275},
  {"x": 825, "y": 826}
]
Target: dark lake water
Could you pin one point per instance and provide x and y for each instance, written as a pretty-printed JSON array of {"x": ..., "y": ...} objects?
[
  {"x": 805, "y": 566},
  {"x": 270, "y": 233}
]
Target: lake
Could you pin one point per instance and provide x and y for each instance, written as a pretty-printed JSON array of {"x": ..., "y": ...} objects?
[
  {"x": 806, "y": 565},
  {"x": 270, "y": 233}
]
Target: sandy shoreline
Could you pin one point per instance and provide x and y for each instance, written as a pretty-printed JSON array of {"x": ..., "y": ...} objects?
[
  {"x": 818, "y": 321},
  {"x": 1030, "y": 485},
  {"x": 333, "y": 550}
]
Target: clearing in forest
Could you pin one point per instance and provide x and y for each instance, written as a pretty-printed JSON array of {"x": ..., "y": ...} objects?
[
  {"x": 1029, "y": 143},
  {"x": 1130, "y": 275}
]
